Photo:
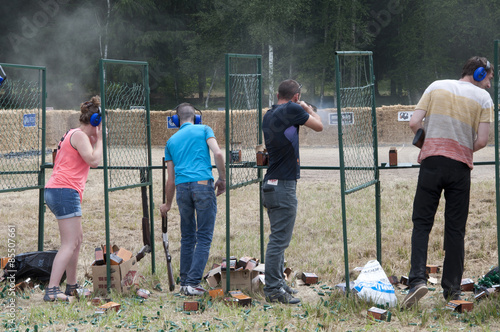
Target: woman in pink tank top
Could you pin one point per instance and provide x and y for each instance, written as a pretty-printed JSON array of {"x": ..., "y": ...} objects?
[{"x": 78, "y": 150}]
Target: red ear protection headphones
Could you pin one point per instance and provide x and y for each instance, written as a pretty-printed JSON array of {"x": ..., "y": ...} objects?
[{"x": 175, "y": 117}]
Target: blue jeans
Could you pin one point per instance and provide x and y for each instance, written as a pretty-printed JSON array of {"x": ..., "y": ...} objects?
[
  {"x": 281, "y": 203},
  {"x": 197, "y": 207},
  {"x": 439, "y": 174}
]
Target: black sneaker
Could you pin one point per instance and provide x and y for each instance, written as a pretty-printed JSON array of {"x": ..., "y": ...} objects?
[
  {"x": 415, "y": 294},
  {"x": 282, "y": 296},
  {"x": 451, "y": 296},
  {"x": 289, "y": 289}
]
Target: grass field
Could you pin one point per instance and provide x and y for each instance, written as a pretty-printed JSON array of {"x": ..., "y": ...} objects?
[{"x": 317, "y": 246}]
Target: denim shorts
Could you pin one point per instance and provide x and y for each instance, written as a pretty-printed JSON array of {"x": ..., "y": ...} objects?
[{"x": 63, "y": 202}]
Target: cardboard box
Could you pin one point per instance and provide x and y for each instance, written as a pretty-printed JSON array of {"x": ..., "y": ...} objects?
[
  {"x": 108, "y": 306},
  {"x": 144, "y": 293},
  {"x": 99, "y": 257},
  {"x": 243, "y": 299},
  {"x": 118, "y": 275},
  {"x": 115, "y": 260},
  {"x": 124, "y": 254},
  {"x": 309, "y": 278},
  {"x": 481, "y": 296},
  {"x": 467, "y": 285},
  {"x": 460, "y": 305},
  {"x": 262, "y": 158},
  {"x": 213, "y": 277},
  {"x": 191, "y": 305},
  {"x": 404, "y": 280},
  {"x": 215, "y": 293},
  {"x": 380, "y": 314},
  {"x": 431, "y": 268},
  {"x": 241, "y": 279},
  {"x": 393, "y": 157}
]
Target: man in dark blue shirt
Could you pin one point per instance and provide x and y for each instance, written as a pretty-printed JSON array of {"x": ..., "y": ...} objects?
[{"x": 281, "y": 133}]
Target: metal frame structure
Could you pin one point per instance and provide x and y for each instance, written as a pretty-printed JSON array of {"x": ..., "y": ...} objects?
[
  {"x": 107, "y": 168},
  {"x": 343, "y": 145},
  {"x": 41, "y": 96}
]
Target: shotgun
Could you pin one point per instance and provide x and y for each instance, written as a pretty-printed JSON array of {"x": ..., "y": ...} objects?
[
  {"x": 146, "y": 232},
  {"x": 164, "y": 229}
]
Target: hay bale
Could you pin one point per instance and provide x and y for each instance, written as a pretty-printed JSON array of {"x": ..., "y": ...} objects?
[
  {"x": 124, "y": 125},
  {"x": 57, "y": 123}
]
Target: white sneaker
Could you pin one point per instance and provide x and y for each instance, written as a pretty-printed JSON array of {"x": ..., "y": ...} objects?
[
  {"x": 194, "y": 290},
  {"x": 183, "y": 289}
]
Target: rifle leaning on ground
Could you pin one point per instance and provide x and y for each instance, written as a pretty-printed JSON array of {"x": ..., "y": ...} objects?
[
  {"x": 146, "y": 232},
  {"x": 164, "y": 229}
]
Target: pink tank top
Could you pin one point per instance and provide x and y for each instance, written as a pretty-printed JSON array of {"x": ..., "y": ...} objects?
[{"x": 70, "y": 170}]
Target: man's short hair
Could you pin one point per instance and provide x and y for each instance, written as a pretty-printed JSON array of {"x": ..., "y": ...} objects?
[
  {"x": 287, "y": 89},
  {"x": 474, "y": 63},
  {"x": 186, "y": 112}
]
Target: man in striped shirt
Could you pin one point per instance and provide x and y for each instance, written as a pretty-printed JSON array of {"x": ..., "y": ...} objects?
[{"x": 455, "y": 116}]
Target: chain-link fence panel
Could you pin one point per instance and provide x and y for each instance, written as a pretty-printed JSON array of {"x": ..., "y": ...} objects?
[
  {"x": 357, "y": 136},
  {"x": 126, "y": 109},
  {"x": 243, "y": 117},
  {"x": 357, "y": 129},
  {"x": 22, "y": 111}
]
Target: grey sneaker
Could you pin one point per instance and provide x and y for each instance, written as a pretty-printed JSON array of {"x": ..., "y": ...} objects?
[
  {"x": 289, "y": 289},
  {"x": 415, "y": 294},
  {"x": 282, "y": 296},
  {"x": 194, "y": 290}
]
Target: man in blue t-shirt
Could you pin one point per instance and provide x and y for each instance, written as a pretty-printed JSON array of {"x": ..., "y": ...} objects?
[
  {"x": 281, "y": 133},
  {"x": 189, "y": 169}
]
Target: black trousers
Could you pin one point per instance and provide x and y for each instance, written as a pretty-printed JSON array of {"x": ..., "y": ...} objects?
[{"x": 438, "y": 174}]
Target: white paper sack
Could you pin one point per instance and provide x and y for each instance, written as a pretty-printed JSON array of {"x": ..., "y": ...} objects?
[{"x": 373, "y": 285}]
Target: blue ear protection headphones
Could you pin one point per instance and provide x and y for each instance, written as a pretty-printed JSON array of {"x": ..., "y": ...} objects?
[
  {"x": 481, "y": 72},
  {"x": 2, "y": 78},
  {"x": 175, "y": 117},
  {"x": 96, "y": 118}
]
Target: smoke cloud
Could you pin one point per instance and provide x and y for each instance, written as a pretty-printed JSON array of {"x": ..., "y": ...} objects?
[{"x": 64, "y": 38}]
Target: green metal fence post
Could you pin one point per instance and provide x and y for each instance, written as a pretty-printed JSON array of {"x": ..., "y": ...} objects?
[
  {"x": 497, "y": 146},
  {"x": 228, "y": 176},
  {"x": 41, "y": 182}
]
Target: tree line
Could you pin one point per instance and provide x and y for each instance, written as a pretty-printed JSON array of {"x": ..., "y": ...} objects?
[{"x": 184, "y": 42}]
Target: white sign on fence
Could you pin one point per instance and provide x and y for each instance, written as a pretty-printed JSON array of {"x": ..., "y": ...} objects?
[
  {"x": 405, "y": 116},
  {"x": 347, "y": 118}
]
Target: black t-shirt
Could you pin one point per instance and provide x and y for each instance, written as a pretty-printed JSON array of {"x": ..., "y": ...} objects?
[{"x": 281, "y": 133}]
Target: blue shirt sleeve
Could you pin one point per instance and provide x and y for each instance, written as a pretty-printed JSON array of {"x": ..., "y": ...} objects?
[
  {"x": 167, "y": 154},
  {"x": 209, "y": 133}
]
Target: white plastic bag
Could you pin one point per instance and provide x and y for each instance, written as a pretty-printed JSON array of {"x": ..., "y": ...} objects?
[{"x": 373, "y": 285}]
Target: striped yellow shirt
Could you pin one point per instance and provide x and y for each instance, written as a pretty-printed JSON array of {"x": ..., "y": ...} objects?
[{"x": 454, "y": 110}]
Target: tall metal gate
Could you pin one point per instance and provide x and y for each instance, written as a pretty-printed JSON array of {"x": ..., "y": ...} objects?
[
  {"x": 22, "y": 132},
  {"x": 357, "y": 128},
  {"x": 127, "y": 146},
  {"x": 243, "y": 129}
]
